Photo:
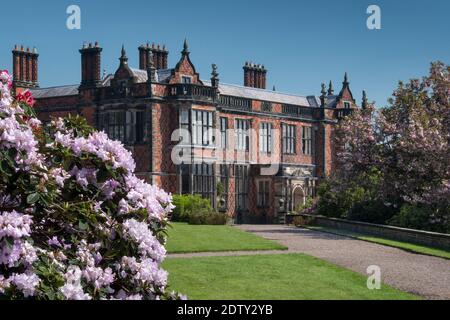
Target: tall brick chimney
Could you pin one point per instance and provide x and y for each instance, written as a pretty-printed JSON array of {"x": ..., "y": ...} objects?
[
  {"x": 17, "y": 64},
  {"x": 254, "y": 75},
  {"x": 25, "y": 67},
  {"x": 90, "y": 65},
  {"x": 160, "y": 56},
  {"x": 34, "y": 67},
  {"x": 143, "y": 56}
]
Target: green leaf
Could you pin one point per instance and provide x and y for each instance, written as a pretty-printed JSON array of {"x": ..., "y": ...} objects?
[
  {"x": 32, "y": 198},
  {"x": 9, "y": 242},
  {"x": 83, "y": 226}
]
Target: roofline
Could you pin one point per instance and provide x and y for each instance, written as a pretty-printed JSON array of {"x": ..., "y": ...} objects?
[
  {"x": 263, "y": 90},
  {"x": 54, "y": 87}
]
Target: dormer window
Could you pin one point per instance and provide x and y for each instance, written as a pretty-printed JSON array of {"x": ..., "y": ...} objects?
[
  {"x": 123, "y": 87},
  {"x": 186, "y": 80},
  {"x": 347, "y": 104}
]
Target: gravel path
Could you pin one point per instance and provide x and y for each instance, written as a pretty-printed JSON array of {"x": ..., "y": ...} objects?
[{"x": 419, "y": 274}]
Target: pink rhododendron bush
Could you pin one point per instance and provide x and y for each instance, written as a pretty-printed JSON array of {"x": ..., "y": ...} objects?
[{"x": 75, "y": 222}]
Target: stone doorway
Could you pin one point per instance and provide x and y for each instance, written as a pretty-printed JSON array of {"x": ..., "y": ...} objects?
[{"x": 298, "y": 197}]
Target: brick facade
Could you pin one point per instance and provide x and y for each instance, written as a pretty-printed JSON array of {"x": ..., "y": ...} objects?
[{"x": 144, "y": 106}]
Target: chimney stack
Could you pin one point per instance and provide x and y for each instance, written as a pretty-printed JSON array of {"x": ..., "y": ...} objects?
[
  {"x": 25, "y": 67},
  {"x": 143, "y": 56},
  {"x": 160, "y": 55},
  {"x": 90, "y": 65},
  {"x": 34, "y": 67},
  {"x": 254, "y": 75},
  {"x": 17, "y": 64}
]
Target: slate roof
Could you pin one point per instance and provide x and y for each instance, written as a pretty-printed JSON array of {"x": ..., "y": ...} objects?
[
  {"x": 331, "y": 101},
  {"x": 141, "y": 75},
  {"x": 161, "y": 75},
  {"x": 225, "y": 89},
  {"x": 106, "y": 82},
  {"x": 164, "y": 74},
  {"x": 266, "y": 95},
  {"x": 51, "y": 92},
  {"x": 261, "y": 94}
]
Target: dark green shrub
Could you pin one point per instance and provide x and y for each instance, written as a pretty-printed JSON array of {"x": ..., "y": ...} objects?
[
  {"x": 217, "y": 218},
  {"x": 207, "y": 218},
  {"x": 335, "y": 202},
  {"x": 372, "y": 211},
  {"x": 411, "y": 217},
  {"x": 421, "y": 218},
  {"x": 197, "y": 218},
  {"x": 304, "y": 207},
  {"x": 185, "y": 205},
  {"x": 301, "y": 221}
]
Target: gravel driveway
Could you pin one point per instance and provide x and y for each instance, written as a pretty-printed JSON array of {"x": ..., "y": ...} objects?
[{"x": 415, "y": 273}]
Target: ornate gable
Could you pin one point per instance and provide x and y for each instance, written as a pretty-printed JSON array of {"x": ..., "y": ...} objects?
[
  {"x": 185, "y": 68},
  {"x": 124, "y": 77},
  {"x": 345, "y": 95},
  {"x": 124, "y": 71}
]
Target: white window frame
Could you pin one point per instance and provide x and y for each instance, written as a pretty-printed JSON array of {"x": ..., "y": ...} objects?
[
  {"x": 307, "y": 141},
  {"x": 265, "y": 137},
  {"x": 183, "y": 77}
]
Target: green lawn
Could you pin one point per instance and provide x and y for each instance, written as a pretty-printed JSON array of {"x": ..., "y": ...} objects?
[
  {"x": 270, "y": 277},
  {"x": 392, "y": 243},
  {"x": 185, "y": 238}
]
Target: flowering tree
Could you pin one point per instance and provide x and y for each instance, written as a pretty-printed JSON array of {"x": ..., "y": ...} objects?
[
  {"x": 405, "y": 147},
  {"x": 357, "y": 145},
  {"x": 415, "y": 145},
  {"x": 75, "y": 222}
]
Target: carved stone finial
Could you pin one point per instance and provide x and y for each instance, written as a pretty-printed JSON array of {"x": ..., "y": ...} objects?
[
  {"x": 151, "y": 70},
  {"x": 214, "y": 72},
  {"x": 323, "y": 95},
  {"x": 123, "y": 56},
  {"x": 330, "y": 89},
  {"x": 323, "y": 91},
  {"x": 185, "y": 48},
  {"x": 364, "y": 100},
  {"x": 214, "y": 76}
]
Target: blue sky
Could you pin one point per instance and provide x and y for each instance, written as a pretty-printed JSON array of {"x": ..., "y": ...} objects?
[{"x": 301, "y": 43}]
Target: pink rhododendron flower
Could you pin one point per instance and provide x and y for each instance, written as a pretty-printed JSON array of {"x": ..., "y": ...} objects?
[{"x": 26, "y": 97}]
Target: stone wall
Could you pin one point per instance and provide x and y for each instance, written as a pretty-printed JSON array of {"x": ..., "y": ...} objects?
[{"x": 432, "y": 239}]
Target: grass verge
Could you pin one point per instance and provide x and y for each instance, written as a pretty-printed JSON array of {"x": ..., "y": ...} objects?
[
  {"x": 184, "y": 238},
  {"x": 271, "y": 277}
]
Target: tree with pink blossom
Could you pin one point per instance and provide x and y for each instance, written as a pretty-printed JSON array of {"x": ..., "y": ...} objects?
[
  {"x": 400, "y": 154},
  {"x": 75, "y": 222}
]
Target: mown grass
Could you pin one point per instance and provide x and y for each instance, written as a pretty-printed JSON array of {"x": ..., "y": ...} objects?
[
  {"x": 271, "y": 277},
  {"x": 184, "y": 238}
]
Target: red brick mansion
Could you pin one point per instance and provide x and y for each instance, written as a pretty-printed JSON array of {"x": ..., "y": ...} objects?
[{"x": 256, "y": 153}]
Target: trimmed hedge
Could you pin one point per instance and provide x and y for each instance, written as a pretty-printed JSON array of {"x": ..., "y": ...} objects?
[
  {"x": 196, "y": 210},
  {"x": 212, "y": 218},
  {"x": 187, "y": 204}
]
